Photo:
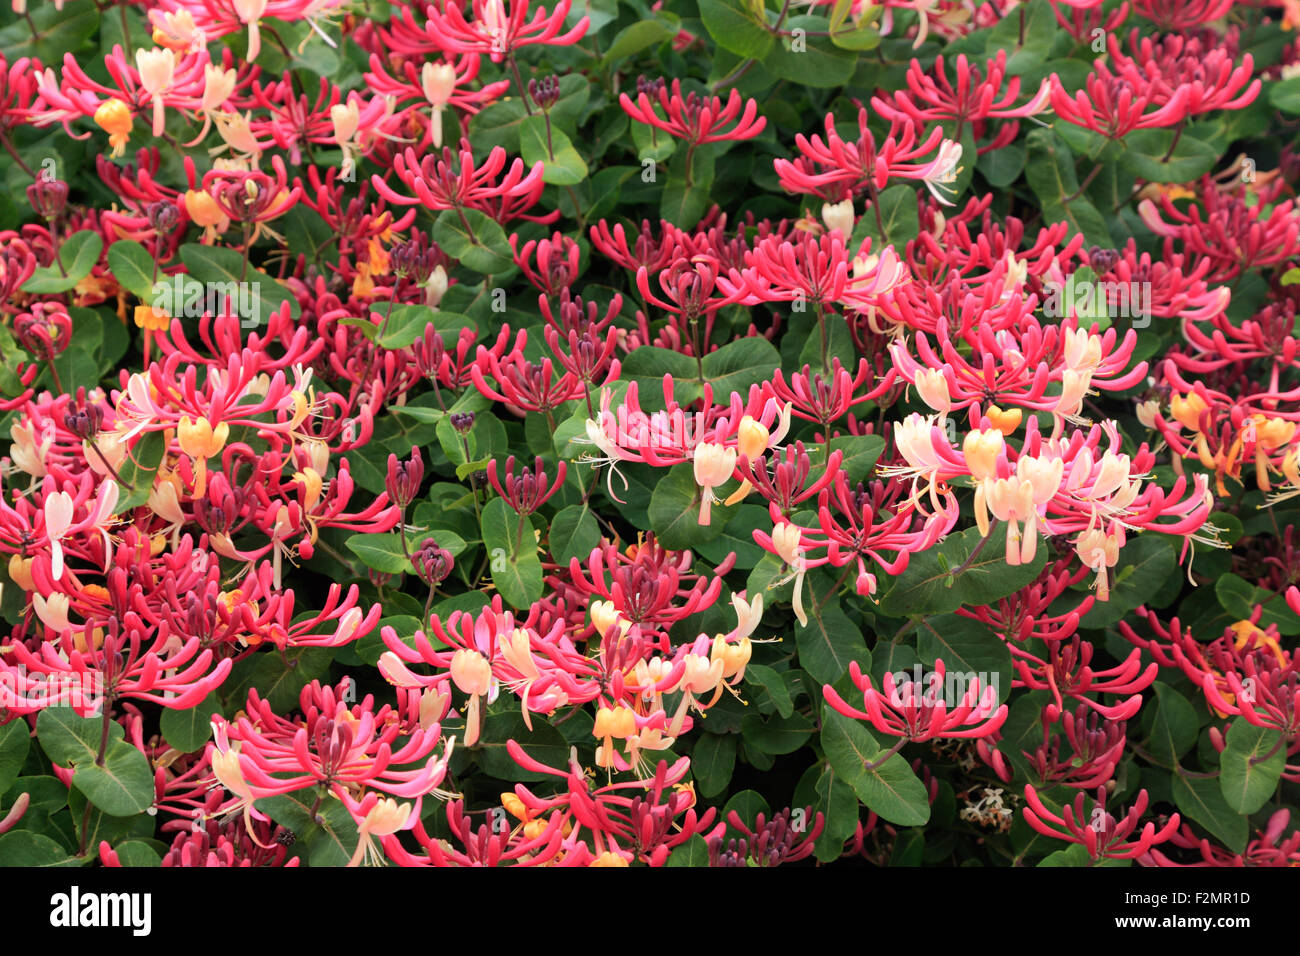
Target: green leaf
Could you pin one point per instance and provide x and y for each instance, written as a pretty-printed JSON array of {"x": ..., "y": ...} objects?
[
  {"x": 1247, "y": 779},
  {"x": 648, "y": 365},
  {"x": 1145, "y": 152},
  {"x": 682, "y": 201},
  {"x": 1175, "y": 728},
  {"x": 969, "y": 649},
  {"x": 694, "y": 852},
  {"x": 712, "y": 762},
  {"x": 898, "y": 216},
  {"x": 863, "y": 36},
  {"x": 133, "y": 268},
  {"x": 807, "y": 60},
  {"x": 762, "y": 676},
  {"x": 122, "y": 786},
  {"x": 1143, "y": 567},
  {"x": 830, "y": 642},
  {"x": 636, "y": 37},
  {"x": 734, "y": 28},
  {"x": 675, "y": 511},
  {"x": 777, "y": 735},
  {"x": 78, "y": 256},
  {"x": 25, "y": 848},
  {"x": 188, "y": 730},
  {"x": 498, "y": 124},
  {"x": 738, "y": 365},
  {"x": 1286, "y": 95},
  {"x": 137, "y": 853},
  {"x": 68, "y": 739},
  {"x": 544, "y": 744},
  {"x": 923, "y": 588},
  {"x": 574, "y": 533},
  {"x": 57, "y": 32},
  {"x": 892, "y": 790},
  {"x": 747, "y": 805},
  {"x": 380, "y": 552},
  {"x": 476, "y": 241},
  {"x": 821, "y": 790},
  {"x": 1202, "y": 800},
  {"x": 409, "y": 322},
  {"x": 1049, "y": 171},
  {"x": 138, "y": 469},
  {"x": 562, "y": 165},
  {"x": 1002, "y": 167},
  {"x": 516, "y": 572},
  {"x": 15, "y": 742},
  {"x": 330, "y": 836},
  {"x": 278, "y": 685},
  {"x": 1073, "y": 855},
  {"x": 256, "y": 294},
  {"x": 1240, "y": 598},
  {"x": 860, "y": 454}
]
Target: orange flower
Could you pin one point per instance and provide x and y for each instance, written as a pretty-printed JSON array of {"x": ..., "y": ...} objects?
[{"x": 114, "y": 118}]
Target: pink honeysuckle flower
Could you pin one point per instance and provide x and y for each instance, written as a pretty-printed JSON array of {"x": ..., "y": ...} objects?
[
  {"x": 498, "y": 32},
  {"x": 917, "y": 712},
  {"x": 1100, "y": 833}
]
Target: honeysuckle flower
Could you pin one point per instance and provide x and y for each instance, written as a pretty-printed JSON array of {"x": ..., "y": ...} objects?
[
  {"x": 379, "y": 817},
  {"x": 785, "y": 543},
  {"x": 1100, "y": 833},
  {"x": 250, "y": 13},
  {"x": 472, "y": 673},
  {"x": 223, "y": 757},
  {"x": 916, "y": 712},
  {"x": 157, "y": 68},
  {"x": 713, "y": 466},
  {"x": 438, "y": 82},
  {"x": 839, "y": 216},
  {"x": 114, "y": 117},
  {"x": 938, "y": 173},
  {"x": 201, "y": 441},
  {"x": 58, "y": 519},
  {"x": 1099, "y": 551},
  {"x": 693, "y": 118},
  {"x": 498, "y": 32}
]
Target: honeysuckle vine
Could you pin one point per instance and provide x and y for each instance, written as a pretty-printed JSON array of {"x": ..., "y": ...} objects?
[{"x": 686, "y": 433}]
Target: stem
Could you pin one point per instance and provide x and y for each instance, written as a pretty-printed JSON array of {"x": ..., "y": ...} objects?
[
  {"x": 875, "y": 207},
  {"x": 465, "y": 222},
  {"x": 832, "y": 592},
  {"x": 975, "y": 553},
  {"x": 519, "y": 534},
  {"x": 383, "y": 326},
  {"x": 1178, "y": 134},
  {"x": 821, "y": 327},
  {"x": 9, "y": 148},
  {"x": 519, "y": 82},
  {"x": 243, "y": 270},
  {"x": 1084, "y": 185},
  {"x": 54, "y": 374},
  {"x": 745, "y": 66},
  {"x": 99, "y": 762},
  {"x": 126, "y": 31},
  {"x": 881, "y": 758}
]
